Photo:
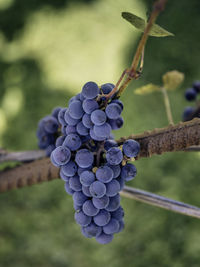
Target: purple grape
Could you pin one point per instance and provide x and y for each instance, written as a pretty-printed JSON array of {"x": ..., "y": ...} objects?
[
  {"x": 97, "y": 189},
  {"x": 113, "y": 111},
  {"x": 63, "y": 129},
  {"x": 110, "y": 143},
  {"x": 102, "y": 131},
  {"x": 84, "y": 158},
  {"x": 94, "y": 136},
  {"x": 55, "y": 112},
  {"x": 61, "y": 155},
  {"x": 53, "y": 161},
  {"x": 87, "y": 121},
  {"x": 102, "y": 218},
  {"x": 72, "y": 141},
  {"x": 112, "y": 227},
  {"x": 60, "y": 140},
  {"x": 196, "y": 86},
  {"x": 121, "y": 226},
  {"x": 118, "y": 214},
  {"x": 61, "y": 115},
  {"x": 101, "y": 203},
  {"x": 190, "y": 94},
  {"x": 114, "y": 203},
  {"x": 116, "y": 170},
  {"x": 82, "y": 219},
  {"x": 112, "y": 188},
  {"x": 187, "y": 113},
  {"x": 104, "y": 238},
  {"x": 121, "y": 181},
  {"x": 114, "y": 156},
  {"x": 86, "y": 191},
  {"x": 75, "y": 109},
  {"x": 116, "y": 124},
  {"x": 74, "y": 183},
  {"x": 68, "y": 189},
  {"x": 131, "y": 148},
  {"x": 87, "y": 178},
  {"x": 81, "y": 129},
  {"x": 79, "y": 198},
  {"x": 63, "y": 176},
  {"x": 69, "y": 169},
  {"x": 104, "y": 174},
  {"x": 50, "y": 124},
  {"x": 98, "y": 117},
  {"x": 107, "y": 88},
  {"x": 128, "y": 172},
  {"x": 80, "y": 170},
  {"x": 89, "y": 208},
  {"x": 49, "y": 149},
  {"x": 117, "y": 101},
  {"x": 90, "y": 90},
  {"x": 77, "y": 207},
  {"x": 69, "y": 120},
  {"x": 70, "y": 129},
  {"x": 89, "y": 105},
  {"x": 92, "y": 230}
]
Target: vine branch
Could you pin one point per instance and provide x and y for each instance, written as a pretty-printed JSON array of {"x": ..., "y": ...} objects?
[{"x": 172, "y": 138}]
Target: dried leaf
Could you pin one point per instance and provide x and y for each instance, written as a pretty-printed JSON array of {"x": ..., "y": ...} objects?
[
  {"x": 147, "y": 89},
  {"x": 172, "y": 79},
  {"x": 140, "y": 24}
]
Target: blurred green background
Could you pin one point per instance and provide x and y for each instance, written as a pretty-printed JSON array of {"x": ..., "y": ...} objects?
[{"x": 48, "y": 50}]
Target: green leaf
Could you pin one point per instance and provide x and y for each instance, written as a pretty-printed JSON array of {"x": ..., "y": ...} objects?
[
  {"x": 140, "y": 24},
  {"x": 172, "y": 79},
  {"x": 147, "y": 89}
]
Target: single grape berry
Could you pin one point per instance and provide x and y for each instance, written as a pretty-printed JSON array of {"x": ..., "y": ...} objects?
[
  {"x": 196, "y": 86},
  {"x": 102, "y": 218},
  {"x": 190, "y": 94},
  {"x": 84, "y": 158},
  {"x": 131, "y": 148},
  {"x": 61, "y": 155},
  {"x": 128, "y": 172},
  {"x": 72, "y": 141},
  {"x": 82, "y": 218},
  {"x": 104, "y": 174},
  {"x": 87, "y": 178},
  {"x": 97, "y": 189},
  {"x": 114, "y": 156},
  {"x": 91, "y": 230},
  {"x": 107, "y": 88},
  {"x": 90, "y": 90},
  {"x": 75, "y": 109},
  {"x": 104, "y": 238},
  {"x": 113, "y": 111},
  {"x": 98, "y": 117},
  {"x": 187, "y": 113}
]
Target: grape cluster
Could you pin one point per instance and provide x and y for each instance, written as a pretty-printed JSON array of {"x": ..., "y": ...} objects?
[
  {"x": 92, "y": 164},
  {"x": 48, "y": 131},
  {"x": 191, "y": 95}
]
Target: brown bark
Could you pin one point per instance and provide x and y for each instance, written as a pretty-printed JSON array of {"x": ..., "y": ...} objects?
[
  {"x": 168, "y": 139},
  {"x": 158, "y": 141}
]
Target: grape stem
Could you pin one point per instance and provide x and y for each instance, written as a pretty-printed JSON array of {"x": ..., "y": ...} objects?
[
  {"x": 167, "y": 106},
  {"x": 133, "y": 72}
]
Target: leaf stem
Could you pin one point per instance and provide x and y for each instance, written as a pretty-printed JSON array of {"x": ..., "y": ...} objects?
[
  {"x": 132, "y": 72},
  {"x": 167, "y": 106}
]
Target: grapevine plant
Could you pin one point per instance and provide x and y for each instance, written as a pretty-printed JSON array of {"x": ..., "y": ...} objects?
[
  {"x": 80, "y": 143},
  {"x": 79, "y": 140}
]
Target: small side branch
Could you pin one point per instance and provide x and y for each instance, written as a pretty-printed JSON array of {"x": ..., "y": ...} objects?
[
  {"x": 167, "y": 106},
  {"x": 160, "y": 201}
]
